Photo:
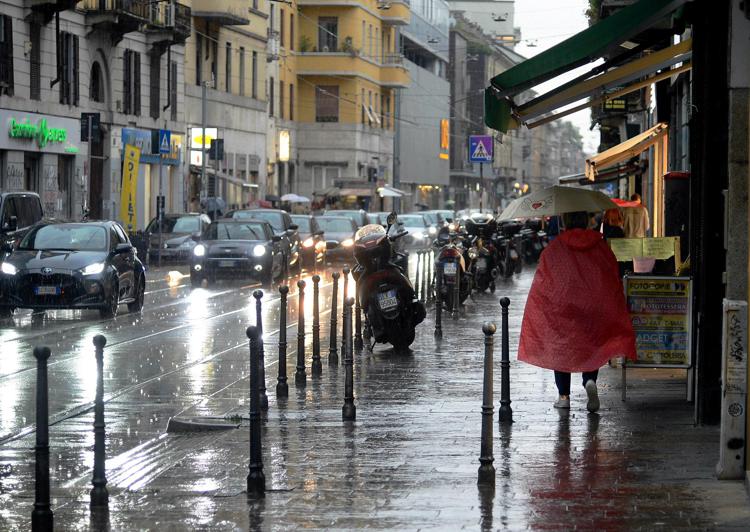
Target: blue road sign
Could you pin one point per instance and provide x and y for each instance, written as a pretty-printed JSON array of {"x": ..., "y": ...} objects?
[
  {"x": 480, "y": 148},
  {"x": 165, "y": 141}
]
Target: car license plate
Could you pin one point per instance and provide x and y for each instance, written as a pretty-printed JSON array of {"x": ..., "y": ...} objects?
[
  {"x": 449, "y": 268},
  {"x": 387, "y": 300},
  {"x": 47, "y": 290},
  {"x": 481, "y": 264},
  {"x": 227, "y": 264}
]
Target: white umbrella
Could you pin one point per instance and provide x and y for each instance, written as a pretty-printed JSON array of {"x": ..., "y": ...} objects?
[
  {"x": 390, "y": 192},
  {"x": 294, "y": 198},
  {"x": 556, "y": 200}
]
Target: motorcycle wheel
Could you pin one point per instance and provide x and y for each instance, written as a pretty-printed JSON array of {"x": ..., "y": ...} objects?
[
  {"x": 492, "y": 287},
  {"x": 519, "y": 266}
]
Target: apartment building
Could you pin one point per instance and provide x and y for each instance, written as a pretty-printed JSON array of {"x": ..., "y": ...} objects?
[{"x": 120, "y": 60}]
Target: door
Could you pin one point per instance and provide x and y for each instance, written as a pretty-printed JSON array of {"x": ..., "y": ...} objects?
[
  {"x": 31, "y": 172},
  {"x": 123, "y": 263}
]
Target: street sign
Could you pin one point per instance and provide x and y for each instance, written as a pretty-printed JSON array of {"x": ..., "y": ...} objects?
[
  {"x": 480, "y": 148},
  {"x": 85, "y": 117},
  {"x": 216, "y": 151},
  {"x": 165, "y": 141}
]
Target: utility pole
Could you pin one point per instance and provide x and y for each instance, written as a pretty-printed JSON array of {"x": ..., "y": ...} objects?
[{"x": 204, "y": 182}]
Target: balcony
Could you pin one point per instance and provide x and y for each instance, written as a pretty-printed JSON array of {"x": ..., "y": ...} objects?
[
  {"x": 169, "y": 23},
  {"x": 117, "y": 17},
  {"x": 395, "y": 77},
  {"x": 395, "y": 13},
  {"x": 391, "y": 74},
  {"x": 46, "y": 9},
  {"x": 224, "y": 12}
]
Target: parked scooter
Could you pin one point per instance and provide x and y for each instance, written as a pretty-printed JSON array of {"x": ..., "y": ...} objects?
[
  {"x": 481, "y": 228},
  {"x": 451, "y": 260},
  {"x": 507, "y": 245},
  {"x": 391, "y": 309}
]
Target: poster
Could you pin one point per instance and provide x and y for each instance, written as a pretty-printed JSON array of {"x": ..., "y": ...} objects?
[
  {"x": 129, "y": 187},
  {"x": 658, "y": 248},
  {"x": 660, "y": 313}
]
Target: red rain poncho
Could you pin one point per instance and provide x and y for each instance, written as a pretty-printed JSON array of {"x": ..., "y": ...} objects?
[{"x": 576, "y": 318}]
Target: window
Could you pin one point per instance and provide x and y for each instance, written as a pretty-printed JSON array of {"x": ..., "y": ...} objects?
[
  {"x": 96, "y": 83},
  {"x": 388, "y": 111},
  {"x": 173, "y": 91},
  {"x": 6, "y": 55},
  {"x": 327, "y": 103},
  {"x": 254, "y": 87},
  {"x": 363, "y": 106},
  {"x": 382, "y": 110},
  {"x": 242, "y": 70},
  {"x": 198, "y": 58},
  {"x": 291, "y": 101},
  {"x": 131, "y": 80},
  {"x": 35, "y": 62},
  {"x": 369, "y": 39},
  {"x": 291, "y": 31},
  {"x": 363, "y": 47},
  {"x": 328, "y": 31},
  {"x": 68, "y": 68},
  {"x": 270, "y": 97},
  {"x": 228, "y": 67},
  {"x": 155, "y": 79},
  {"x": 215, "y": 65},
  {"x": 255, "y": 4},
  {"x": 281, "y": 27},
  {"x": 281, "y": 99}
]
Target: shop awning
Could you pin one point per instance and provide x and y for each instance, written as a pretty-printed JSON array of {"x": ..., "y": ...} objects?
[
  {"x": 391, "y": 192},
  {"x": 197, "y": 170},
  {"x": 580, "y": 49},
  {"x": 611, "y": 173},
  {"x": 625, "y": 150},
  {"x": 356, "y": 192}
]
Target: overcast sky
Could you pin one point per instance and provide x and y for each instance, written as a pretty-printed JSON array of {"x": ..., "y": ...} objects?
[{"x": 546, "y": 23}]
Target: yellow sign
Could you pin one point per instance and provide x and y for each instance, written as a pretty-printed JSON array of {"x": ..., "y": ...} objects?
[
  {"x": 445, "y": 135},
  {"x": 658, "y": 248},
  {"x": 626, "y": 248},
  {"x": 129, "y": 187}
]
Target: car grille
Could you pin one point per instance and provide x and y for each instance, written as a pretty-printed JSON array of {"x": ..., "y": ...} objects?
[
  {"x": 69, "y": 289},
  {"x": 227, "y": 254}
]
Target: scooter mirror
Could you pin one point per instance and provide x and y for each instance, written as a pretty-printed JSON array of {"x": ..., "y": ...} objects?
[{"x": 391, "y": 218}]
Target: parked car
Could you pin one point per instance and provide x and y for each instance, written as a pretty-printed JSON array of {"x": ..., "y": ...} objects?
[
  {"x": 18, "y": 212},
  {"x": 177, "y": 235},
  {"x": 84, "y": 265},
  {"x": 313, "y": 242},
  {"x": 377, "y": 218},
  {"x": 359, "y": 216},
  {"x": 419, "y": 230},
  {"x": 237, "y": 248},
  {"x": 339, "y": 229},
  {"x": 283, "y": 226}
]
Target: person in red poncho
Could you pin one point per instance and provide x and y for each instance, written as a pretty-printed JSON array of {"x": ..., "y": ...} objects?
[{"x": 576, "y": 318}]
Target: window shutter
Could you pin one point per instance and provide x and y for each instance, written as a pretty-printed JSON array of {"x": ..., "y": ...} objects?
[
  {"x": 137, "y": 84},
  {"x": 35, "y": 91},
  {"x": 155, "y": 76},
  {"x": 63, "y": 63},
  {"x": 173, "y": 91},
  {"x": 76, "y": 77},
  {"x": 126, "y": 82}
]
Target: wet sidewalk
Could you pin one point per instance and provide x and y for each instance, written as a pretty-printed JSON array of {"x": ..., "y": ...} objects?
[{"x": 410, "y": 460}]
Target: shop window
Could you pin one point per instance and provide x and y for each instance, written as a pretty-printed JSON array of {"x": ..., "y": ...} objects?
[
  {"x": 131, "y": 88},
  {"x": 328, "y": 34},
  {"x": 68, "y": 68},
  {"x": 35, "y": 62},
  {"x": 96, "y": 83},
  {"x": 327, "y": 103},
  {"x": 6, "y": 55}
]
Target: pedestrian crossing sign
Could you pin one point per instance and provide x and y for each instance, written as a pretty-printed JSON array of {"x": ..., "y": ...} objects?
[
  {"x": 480, "y": 148},
  {"x": 165, "y": 141}
]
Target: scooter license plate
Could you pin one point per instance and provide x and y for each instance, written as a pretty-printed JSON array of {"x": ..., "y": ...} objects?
[
  {"x": 387, "y": 300},
  {"x": 481, "y": 264},
  {"x": 449, "y": 268}
]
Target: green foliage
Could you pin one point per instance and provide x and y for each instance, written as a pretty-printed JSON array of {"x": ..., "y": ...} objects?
[
  {"x": 592, "y": 13},
  {"x": 305, "y": 44}
]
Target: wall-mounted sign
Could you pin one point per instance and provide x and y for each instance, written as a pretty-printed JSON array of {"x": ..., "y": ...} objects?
[
  {"x": 143, "y": 140},
  {"x": 38, "y": 133},
  {"x": 284, "y": 145},
  {"x": 445, "y": 138},
  {"x": 41, "y": 132}
]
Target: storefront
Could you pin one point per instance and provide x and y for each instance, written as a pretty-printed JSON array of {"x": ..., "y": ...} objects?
[{"x": 40, "y": 153}]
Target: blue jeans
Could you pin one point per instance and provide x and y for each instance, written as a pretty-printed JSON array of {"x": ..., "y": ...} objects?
[{"x": 562, "y": 380}]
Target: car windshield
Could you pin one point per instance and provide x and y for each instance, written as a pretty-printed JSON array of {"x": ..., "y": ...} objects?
[
  {"x": 432, "y": 217},
  {"x": 66, "y": 237},
  {"x": 335, "y": 225},
  {"x": 412, "y": 221},
  {"x": 235, "y": 231},
  {"x": 303, "y": 222},
  {"x": 447, "y": 215},
  {"x": 276, "y": 219},
  {"x": 352, "y": 215}
]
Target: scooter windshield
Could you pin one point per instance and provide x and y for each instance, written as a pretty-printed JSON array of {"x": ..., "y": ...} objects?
[{"x": 367, "y": 230}]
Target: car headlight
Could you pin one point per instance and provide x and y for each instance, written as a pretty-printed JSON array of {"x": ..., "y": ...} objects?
[
  {"x": 347, "y": 243},
  {"x": 93, "y": 269},
  {"x": 259, "y": 250},
  {"x": 432, "y": 230},
  {"x": 308, "y": 243},
  {"x": 199, "y": 250},
  {"x": 8, "y": 269},
  {"x": 187, "y": 244}
]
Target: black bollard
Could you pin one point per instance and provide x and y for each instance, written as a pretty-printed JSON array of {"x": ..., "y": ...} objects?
[
  {"x": 358, "y": 343},
  {"x": 41, "y": 516},
  {"x": 316, "y": 367},
  {"x": 438, "y": 301},
  {"x": 333, "y": 355},
  {"x": 505, "y": 413},
  {"x": 282, "y": 388},
  {"x": 258, "y": 295},
  {"x": 99, "y": 493},
  {"x": 416, "y": 279},
  {"x": 423, "y": 296},
  {"x": 349, "y": 410},
  {"x": 457, "y": 291},
  {"x": 344, "y": 295},
  {"x": 486, "y": 469},
  {"x": 256, "y": 480},
  {"x": 431, "y": 278},
  {"x": 300, "y": 376}
]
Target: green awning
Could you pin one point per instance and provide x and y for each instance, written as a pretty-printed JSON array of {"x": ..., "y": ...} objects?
[{"x": 578, "y": 50}]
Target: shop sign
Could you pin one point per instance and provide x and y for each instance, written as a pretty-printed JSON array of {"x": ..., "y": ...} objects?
[
  {"x": 142, "y": 139},
  {"x": 128, "y": 203},
  {"x": 41, "y": 132}
]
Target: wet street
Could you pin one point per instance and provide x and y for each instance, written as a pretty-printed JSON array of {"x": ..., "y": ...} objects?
[{"x": 409, "y": 462}]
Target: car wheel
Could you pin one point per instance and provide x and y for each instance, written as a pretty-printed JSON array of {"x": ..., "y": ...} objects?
[
  {"x": 137, "y": 304},
  {"x": 113, "y": 301}
]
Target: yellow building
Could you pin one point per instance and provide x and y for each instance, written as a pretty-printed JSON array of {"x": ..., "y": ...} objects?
[{"x": 339, "y": 71}]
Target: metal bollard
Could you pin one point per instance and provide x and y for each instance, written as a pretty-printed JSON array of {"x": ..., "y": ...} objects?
[
  {"x": 256, "y": 479},
  {"x": 300, "y": 376},
  {"x": 316, "y": 367},
  {"x": 258, "y": 295},
  {"x": 423, "y": 297},
  {"x": 438, "y": 301},
  {"x": 333, "y": 355},
  {"x": 282, "y": 388},
  {"x": 416, "y": 279},
  {"x": 457, "y": 291},
  {"x": 505, "y": 413},
  {"x": 41, "y": 517},
  {"x": 344, "y": 295},
  {"x": 486, "y": 469},
  {"x": 349, "y": 410},
  {"x": 99, "y": 493},
  {"x": 358, "y": 342},
  {"x": 431, "y": 279}
]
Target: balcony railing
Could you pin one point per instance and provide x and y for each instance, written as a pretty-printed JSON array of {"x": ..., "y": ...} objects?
[
  {"x": 172, "y": 16},
  {"x": 134, "y": 8},
  {"x": 393, "y": 59}
]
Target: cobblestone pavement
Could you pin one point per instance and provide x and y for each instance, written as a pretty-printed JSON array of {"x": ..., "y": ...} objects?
[{"x": 410, "y": 460}]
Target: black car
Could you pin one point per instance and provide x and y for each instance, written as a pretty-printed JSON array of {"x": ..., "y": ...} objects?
[
  {"x": 233, "y": 249},
  {"x": 283, "y": 226},
  {"x": 18, "y": 212},
  {"x": 87, "y": 265},
  {"x": 311, "y": 236},
  {"x": 177, "y": 235}
]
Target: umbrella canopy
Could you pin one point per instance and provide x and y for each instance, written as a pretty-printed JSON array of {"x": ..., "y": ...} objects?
[
  {"x": 556, "y": 200},
  {"x": 294, "y": 198},
  {"x": 330, "y": 191},
  {"x": 625, "y": 203},
  {"x": 390, "y": 192},
  {"x": 211, "y": 204}
]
